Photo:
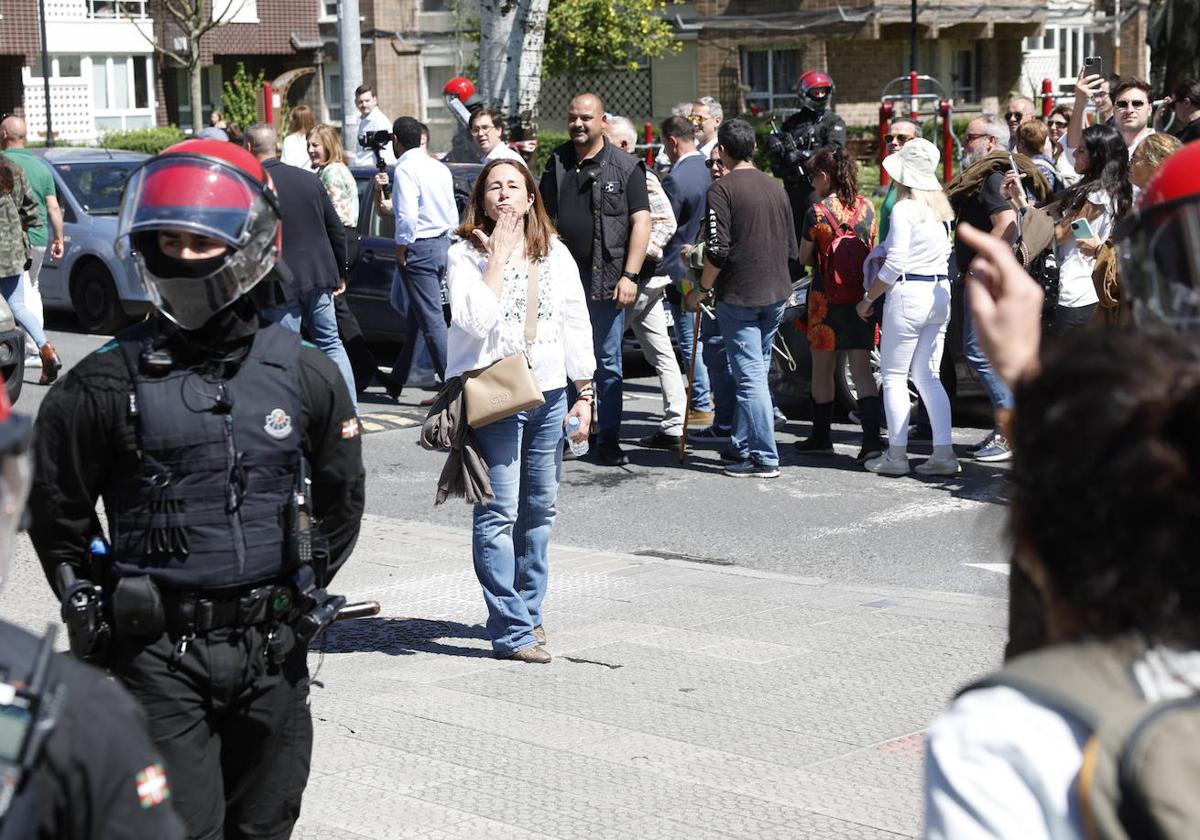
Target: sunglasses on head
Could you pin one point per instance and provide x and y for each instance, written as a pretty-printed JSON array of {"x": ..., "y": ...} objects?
[
  {"x": 1130, "y": 103},
  {"x": 898, "y": 138}
]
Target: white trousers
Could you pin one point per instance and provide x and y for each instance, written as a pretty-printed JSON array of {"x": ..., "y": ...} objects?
[
  {"x": 648, "y": 320},
  {"x": 915, "y": 316}
]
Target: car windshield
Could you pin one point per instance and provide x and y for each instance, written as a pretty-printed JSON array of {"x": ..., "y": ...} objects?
[{"x": 97, "y": 186}]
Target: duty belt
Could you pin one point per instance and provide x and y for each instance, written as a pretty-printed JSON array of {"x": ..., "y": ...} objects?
[{"x": 198, "y": 612}]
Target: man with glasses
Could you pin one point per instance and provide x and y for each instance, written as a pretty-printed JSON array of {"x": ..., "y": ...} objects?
[
  {"x": 487, "y": 130},
  {"x": 901, "y": 131},
  {"x": 706, "y": 118},
  {"x": 1184, "y": 104},
  {"x": 1132, "y": 108},
  {"x": 1018, "y": 112}
]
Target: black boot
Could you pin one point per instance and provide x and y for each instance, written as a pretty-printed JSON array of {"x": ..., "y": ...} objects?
[
  {"x": 868, "y": 416},
  {"x": 819, "y": 442}
]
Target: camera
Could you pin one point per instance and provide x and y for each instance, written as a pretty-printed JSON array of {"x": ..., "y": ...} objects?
[{"x": 376, "y": 141}]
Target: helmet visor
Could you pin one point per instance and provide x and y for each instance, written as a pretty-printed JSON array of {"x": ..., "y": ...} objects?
[{"x": 1160, "y": 266}]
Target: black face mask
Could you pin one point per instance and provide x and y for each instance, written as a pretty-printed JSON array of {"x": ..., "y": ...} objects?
[{"x": 163, "y": 266}]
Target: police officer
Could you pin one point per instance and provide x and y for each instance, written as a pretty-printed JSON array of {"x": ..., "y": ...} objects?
[
  {"x": 75, "y": 759},
  {"x": 202, "y": 429},
  {"x": 813, "y": 128}
]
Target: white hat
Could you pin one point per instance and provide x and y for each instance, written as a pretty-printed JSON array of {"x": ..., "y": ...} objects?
[{"x": 914, "y": 165}]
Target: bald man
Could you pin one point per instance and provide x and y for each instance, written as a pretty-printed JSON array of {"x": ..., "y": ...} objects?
[
  {"x": 50, "y": 234},
  {"x": 596, "y": 195}
]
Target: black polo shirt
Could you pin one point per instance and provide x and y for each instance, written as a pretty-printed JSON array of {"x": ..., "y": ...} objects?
[{"x": 575, "y": 211}]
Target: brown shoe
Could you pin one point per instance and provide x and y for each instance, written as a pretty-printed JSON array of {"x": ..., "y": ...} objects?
[
  {"x": 539, "y": 633},
  {"x": 50, "y": 364},
  {"x": 699, "y": 419},
  {"x": 534, "y": 654}
]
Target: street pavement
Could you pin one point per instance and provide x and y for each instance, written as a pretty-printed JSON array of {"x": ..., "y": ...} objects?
[{"x": 733, "y": 658}]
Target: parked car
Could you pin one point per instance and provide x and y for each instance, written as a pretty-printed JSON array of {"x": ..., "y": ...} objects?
[
  {"x": 12, "y": 352},
  {"x": 89, "y": 280},
  {"x": 370, "y": 287}
]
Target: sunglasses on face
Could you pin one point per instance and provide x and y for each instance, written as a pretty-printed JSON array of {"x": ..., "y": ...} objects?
[
  {"x": 1014, "y": 115},
  {"x": 1056, "y": 124},
  {"x": 898, "y": 138},
  {"x": 1130, "y": 103},
  {"x": 713, "y": 162},
  {"x": 695, "y": 119}
]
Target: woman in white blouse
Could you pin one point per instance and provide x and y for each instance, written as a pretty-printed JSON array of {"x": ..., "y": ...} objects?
[
  {"x": 301, "y": 121},
  {"x": 507, "y": 231},
  {"x": 915, "y": 277}
]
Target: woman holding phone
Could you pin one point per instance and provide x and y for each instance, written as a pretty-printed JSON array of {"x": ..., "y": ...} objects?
[{"x": 1084, "y": 215}]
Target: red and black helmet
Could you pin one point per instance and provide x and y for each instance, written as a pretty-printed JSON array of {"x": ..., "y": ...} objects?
[
  {"x": 1160, "y": 246},
  {"x": 206, "y": 188},
  {"x": 814, "y": 89},
  {"x": 459, "y": 86}
]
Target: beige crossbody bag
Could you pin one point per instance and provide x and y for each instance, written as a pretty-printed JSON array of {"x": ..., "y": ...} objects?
[{"x": 506, "y": 386}]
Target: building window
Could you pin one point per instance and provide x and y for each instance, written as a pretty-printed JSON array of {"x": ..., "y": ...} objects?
[
  {"x": 1072, "y": 43},
  {"x": 771, "y": 77},
  {"x": 235, "y": 11},
  {"x": 333, "y": 92},
  {"x": 116, "y": 8},
  {"x": 61, "y": 67},
  {"x": 436, "y": 6},
  {"x": 329, "y": 10},
  {"x": 964, "y": 78}
]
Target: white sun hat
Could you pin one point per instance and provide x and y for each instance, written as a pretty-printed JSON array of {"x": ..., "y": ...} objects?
[{"x": 914, "y": 165}]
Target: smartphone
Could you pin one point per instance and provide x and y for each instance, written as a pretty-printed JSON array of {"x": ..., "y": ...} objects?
[
  {"x": 1082, "y": 229},
  {"x": 1012, "y": 163},
  {"x": 1093, "y": 65}
]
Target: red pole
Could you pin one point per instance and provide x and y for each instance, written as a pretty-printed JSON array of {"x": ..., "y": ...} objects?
[
  {"x": 268, "y": 110},
  {"x": 1047, "y": 97},
  {"x": 886, "y": 109},
  {"x": 913, "y": 90},
  {"x": 648, "y": 138},
  {"x": 945, "y": 110}
]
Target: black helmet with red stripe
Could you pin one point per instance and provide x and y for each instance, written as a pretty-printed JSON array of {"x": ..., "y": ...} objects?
[
  {"x": 202, "y": 188},
  {"x": 1159, "y": 246}
]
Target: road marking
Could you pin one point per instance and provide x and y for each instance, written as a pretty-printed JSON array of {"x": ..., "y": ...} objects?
[
  {"x": 385, "y": 421},
  {"x": 998, "y": 568}
]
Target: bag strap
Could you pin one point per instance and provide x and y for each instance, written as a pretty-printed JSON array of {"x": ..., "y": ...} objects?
[{"x": 531, "y": 302}]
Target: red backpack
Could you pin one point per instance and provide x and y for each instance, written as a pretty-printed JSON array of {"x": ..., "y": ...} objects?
[{"x": 841, "y": 259}]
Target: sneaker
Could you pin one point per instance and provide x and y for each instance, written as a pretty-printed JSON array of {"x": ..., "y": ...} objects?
[
  {"x": 946, "y": 465},
  {"x": 998, "y": 450},
  {"x": 983, "y": 444},
  {"x": 610, "y": 454},
  {"x": 698, "y": 418},
  {"x": 711, "y": 434},
  {"x": 729, "y": 455},
  {"x": 750, "y": 469},
  {"x": 886, "y": 465},
  {"x": 780, "y": 420},
  {"x": 661, "y": 440}
]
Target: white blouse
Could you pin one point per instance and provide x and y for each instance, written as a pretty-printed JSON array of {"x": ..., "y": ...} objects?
[
  {"x": 917, "y": 243},
  {"x": 1075, "y": 286},
  {"x": 485, "y": 328}
]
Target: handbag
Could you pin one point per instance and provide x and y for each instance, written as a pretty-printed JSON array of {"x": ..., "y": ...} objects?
[{"x": 507, "y": 386}]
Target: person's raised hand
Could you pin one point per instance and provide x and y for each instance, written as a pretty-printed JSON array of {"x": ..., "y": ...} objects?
[
  {"x": 1014, "y": 191},
  {"x": 1087, "y": 86},
  {"x": 508, "y": 234},
  {"x": 1006, "y": 305}
]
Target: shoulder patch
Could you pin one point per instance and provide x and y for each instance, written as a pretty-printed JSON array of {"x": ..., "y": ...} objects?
[
  {"x": 350, "y": 429},
  {"x": 152, "y": 787}
]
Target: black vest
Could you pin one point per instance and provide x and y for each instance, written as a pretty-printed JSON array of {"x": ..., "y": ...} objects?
[
  {"x": 217, "y": 464},
  {"x": 20, "y": 817}
]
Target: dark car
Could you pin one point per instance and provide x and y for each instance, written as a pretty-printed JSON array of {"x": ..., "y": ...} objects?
[{"x": 370, "y": 287}]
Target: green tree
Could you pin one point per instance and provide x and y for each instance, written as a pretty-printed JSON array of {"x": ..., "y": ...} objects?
[
  {"x": 591, "y": 35},
  {"x": 240, "y": 98}
]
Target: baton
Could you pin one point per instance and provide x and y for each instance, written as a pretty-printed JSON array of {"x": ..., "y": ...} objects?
[{"x": 361, "y": 609}]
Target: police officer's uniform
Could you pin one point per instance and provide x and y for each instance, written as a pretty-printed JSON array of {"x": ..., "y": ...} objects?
[
  {"x": 199, "y": 441},
  {"x": 811, "y": 131}
]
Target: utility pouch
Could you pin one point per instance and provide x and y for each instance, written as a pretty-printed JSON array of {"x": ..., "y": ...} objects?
[{"x": 137, "y": 608}]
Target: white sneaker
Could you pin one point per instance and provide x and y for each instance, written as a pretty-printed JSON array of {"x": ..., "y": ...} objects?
[
  {"x": 945, "y": 465},
  {"x": 886, "y": 465}
]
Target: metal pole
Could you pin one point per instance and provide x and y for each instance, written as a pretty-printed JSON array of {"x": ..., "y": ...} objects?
[
  {"x": 912, "y": 57},
  {"x": 350, "y": 61},
  {"x": 46, "y": 72},
  {"x": 1116, "y": 37}
]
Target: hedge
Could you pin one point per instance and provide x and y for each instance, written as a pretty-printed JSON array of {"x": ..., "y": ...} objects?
[{"x": 148, "y": 140}]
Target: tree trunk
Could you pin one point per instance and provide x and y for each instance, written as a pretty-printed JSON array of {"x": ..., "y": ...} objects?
[
  {"x": 511, "y": 34},
  {"x": 195, "y": 90}
]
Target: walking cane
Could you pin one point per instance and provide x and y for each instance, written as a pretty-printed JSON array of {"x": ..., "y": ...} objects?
[{"x": 691, "y": 380}]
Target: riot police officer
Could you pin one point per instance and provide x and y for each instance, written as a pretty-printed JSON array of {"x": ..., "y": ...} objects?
[
  {"x": 75, "y": 760},
  {"x": 812, "y": 128},
  {"x": 216, "y": 442}
]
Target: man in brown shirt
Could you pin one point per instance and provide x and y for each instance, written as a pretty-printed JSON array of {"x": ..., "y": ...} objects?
[{"x": 750, "y": 255}]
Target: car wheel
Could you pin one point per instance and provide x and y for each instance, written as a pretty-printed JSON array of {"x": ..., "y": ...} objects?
[
  {"x": 14, "y": 372},
  {"x": 94, "y": 297}
]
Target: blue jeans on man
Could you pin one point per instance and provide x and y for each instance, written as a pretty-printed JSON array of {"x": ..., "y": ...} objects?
[
  {"x": 748, "y": 333},
  {"x": 608, "y": 327},
  {"x": 998, "y": 392},
  {"x": 317, "y": 313},
  {"x": 420, "y": 301},
  {"x": 684, "y": 325},
  {"x": 511, "y": 534}
]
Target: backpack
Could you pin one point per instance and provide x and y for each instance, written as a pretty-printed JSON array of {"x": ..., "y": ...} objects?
[
  {"x": 1141, "y": 762},
  {"x": 841, "y": 260}
]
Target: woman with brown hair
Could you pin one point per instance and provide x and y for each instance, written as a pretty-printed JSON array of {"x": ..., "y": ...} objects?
[
  {"x": 295, "y": 145},
  {"x": 833, "y": 324},
  {"x": 1056, "y": 128},
  {"x": 510, "y": 258}
]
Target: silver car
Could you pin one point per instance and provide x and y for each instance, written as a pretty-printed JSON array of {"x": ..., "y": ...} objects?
[{"x": 90, "y": 280}]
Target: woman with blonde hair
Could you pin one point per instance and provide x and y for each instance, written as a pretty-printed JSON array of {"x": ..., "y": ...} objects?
[
  {"x": 1149, "y": 155},
  {"x": 295, "y": 144},
  {"x": 329, "y": 162},
  {"x": 915, "y": 278},
  {"x": 510, "y": 258}
]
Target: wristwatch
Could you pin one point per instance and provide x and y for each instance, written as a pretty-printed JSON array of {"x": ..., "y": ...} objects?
[{"x": 630, "y": 275}]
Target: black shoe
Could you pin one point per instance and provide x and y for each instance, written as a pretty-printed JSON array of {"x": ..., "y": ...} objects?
[
  {"x": 661, "y": 440},
  {"x": 729, "y": 455},
  {"x": 820, "y": 442},
  {"x": 610, "y": 454},
  {"x": 869, "y": 451},
  {"x": 394, "y": 389},
  {"x": 814, "y": 446}
]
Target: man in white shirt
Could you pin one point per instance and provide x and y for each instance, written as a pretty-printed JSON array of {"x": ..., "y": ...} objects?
[
  {"x": 372, "y": 119},
  {"x": 425, "y": 211},
  {"x": 487, "y": 130},
  {"x": 706, "y": 117},
  {"x": 1132, "y": 108}
]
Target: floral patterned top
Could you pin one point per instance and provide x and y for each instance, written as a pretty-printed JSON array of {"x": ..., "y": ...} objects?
[{"x": 343, "y": 192}]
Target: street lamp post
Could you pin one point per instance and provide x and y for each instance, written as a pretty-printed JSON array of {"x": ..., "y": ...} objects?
[{"x": 46, "y": 72}]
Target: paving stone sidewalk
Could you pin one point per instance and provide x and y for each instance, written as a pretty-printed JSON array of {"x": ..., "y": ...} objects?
[{"x": 684, "y": 701}]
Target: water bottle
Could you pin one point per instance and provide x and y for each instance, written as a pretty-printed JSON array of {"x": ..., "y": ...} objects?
[{"x": 577, "y": 449}]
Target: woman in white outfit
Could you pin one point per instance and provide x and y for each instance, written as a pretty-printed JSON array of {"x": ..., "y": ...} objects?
[{"x": 915, "y": 278}]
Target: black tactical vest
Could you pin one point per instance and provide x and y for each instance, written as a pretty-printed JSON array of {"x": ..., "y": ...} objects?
[
  {"x": 20, "y": 806},
  {"x": 217, "y": 464}
]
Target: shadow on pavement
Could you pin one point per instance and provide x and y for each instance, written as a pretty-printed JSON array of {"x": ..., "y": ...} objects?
[{"x": 403, "y": 637}]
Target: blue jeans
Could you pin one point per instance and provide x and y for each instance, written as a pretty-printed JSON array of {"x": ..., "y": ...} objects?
[
  {"x": 318, "y": 314},
  {"x": 422, "y": 361},
  {"x": 716, "y": 362},
  {"x": 422, "y": 276},
  {"x": 608, "y": 325},
  {"x": 11, "y": 288},
  {"x": 748, "y": 332},
  {"x": 511, "y": 534},
  {"x": 701, "y": 390},
  {"x": 997, "y": 391}
]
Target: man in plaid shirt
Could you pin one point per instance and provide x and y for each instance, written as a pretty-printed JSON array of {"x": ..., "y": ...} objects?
[{"x": 647, "y": 317}]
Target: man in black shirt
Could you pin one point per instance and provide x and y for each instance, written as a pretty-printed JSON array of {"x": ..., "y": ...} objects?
[
  {"x": 596, "y": 195},
  {"x": 1185, "y": 102}
]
